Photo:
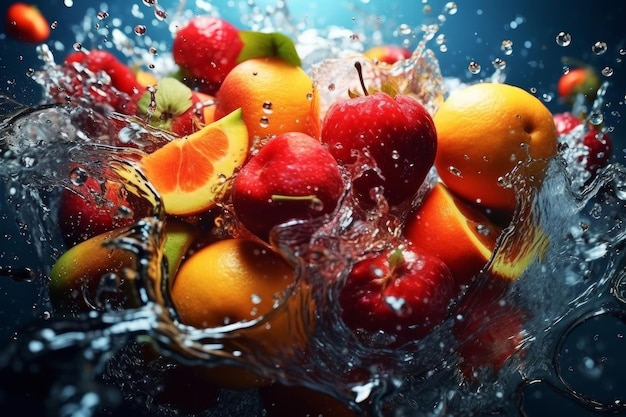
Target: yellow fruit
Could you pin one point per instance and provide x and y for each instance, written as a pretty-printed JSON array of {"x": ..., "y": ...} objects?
[
  {"x": 188, "y": 172},
  {"x": 275, "y": 97},
  {"x": 236, "y": 280},
  {"x": 483, "y": 131}
]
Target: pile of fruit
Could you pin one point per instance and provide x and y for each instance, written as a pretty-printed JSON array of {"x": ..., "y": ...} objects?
[{"x": 251, "y": 145}]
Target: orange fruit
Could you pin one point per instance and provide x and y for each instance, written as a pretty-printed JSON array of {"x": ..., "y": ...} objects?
[
  {"x": 188, "y": 172},
  {"x": 453, "y": 231},
  {"x": 275, "y": 96},
  {"x": 236, "y": 280},
  {"x": 484, "y": 131}
]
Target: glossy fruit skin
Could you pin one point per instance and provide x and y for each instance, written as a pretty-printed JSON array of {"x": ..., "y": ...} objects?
[
  {"x": 447, "y": 227},
  {"x": 274, "y": 95},
  {"x": 207, "y": 47},
  {"x": 485, "y": 130},
  {"x": 399, "y": 135},
  {"x": 421, "y": 287},
  {"x": 600, "y": 147},
  {"x": 388, "y": 54},
  {"x": 25, "y": 23},
  {"x": 91, "y": 209},
  {"x": 577, "y": 81},
  {"x": 79, "y": 82},
  {"x": 290, "y": 165}
]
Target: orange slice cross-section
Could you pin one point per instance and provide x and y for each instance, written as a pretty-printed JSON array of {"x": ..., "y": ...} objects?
[{"x": 188, "y": 172}]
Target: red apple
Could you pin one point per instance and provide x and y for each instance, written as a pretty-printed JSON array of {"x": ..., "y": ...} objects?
[
  {"x": 389, "y": 54},
  {"x": 396, "y": 131},
  {"x": 401, "y": 292},
  {"x": 292, "y": 177},
  {"x": 600, "y": 146},
  {"x": 92, "y": 208},
  {"x": 490, "y": 331}
]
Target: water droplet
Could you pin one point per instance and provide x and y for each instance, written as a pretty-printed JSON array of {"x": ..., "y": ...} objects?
[
  {"x": 599, "y": 48},
  {"x": 30, "y": 72},
  {"x": 443, "y": 48},
  {"x": 405, "y": 29},
  {"x": 264, "y": 122},
  {"x": 474, "y": 67},
  {"x": 451, "y": 8},
  {"x": 395, "y": 154},
  {"x": 102, "y": 15},
  {"x": 441, "y": 39},
  {"x": 153, "y": 50},
  {"x": 316, "y": 205},
  {"x": 507, "y": 47},
  {"x": 455, "y": 171},
  {"x": 54, "y": 25},
  {"x": 160, "y": 14},
  {"x": 78, "y": 176},
  {"x": 622, "y": 51},
  {"x": 309, "y": 96},
  {"x": 140, "y": 30},
  {"x": 331, "y": 87},
  {"x": 149, "y": 3},
  {"x": 399, "y": 306},
  {"x": 499, "y": 63},
  {"x": 77, "y": 46},
  {"x": 267, "y": 107},
  {"x": 256, "y": 299},
  {"x": 607, "y": 71},
  {"x": 563, "y": 39},
  {"x": 596, "y": 118}
]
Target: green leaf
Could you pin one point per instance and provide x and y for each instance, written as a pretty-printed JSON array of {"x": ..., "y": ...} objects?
[{"x": 260, "y": 45}]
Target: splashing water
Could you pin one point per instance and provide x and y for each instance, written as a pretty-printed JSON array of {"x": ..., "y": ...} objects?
[{"x": 569, "y": 234}]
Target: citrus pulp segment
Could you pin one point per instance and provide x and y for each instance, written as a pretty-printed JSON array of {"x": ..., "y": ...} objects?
[{"x": 188, "y": 172}]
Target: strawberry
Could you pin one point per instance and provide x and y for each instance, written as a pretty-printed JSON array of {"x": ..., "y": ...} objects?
[
  {"x": 95, "y": 77},
  {"x": 208, "y": 47},
  {"x": 600, "y": 146},
  {"x": 24, "y": 22}
]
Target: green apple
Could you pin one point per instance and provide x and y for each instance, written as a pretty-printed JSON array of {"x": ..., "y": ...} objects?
[{"x": 82, "y": 272}]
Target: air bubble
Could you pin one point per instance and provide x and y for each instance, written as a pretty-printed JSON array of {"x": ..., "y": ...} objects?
[
  {"x": 54, "y": 25},
  {"x": 153, "y": 50},
  {"x": 474, "y": 67},
  {"x": 102, "y": 15},
  {"x": 563, "y": 39},
  {"x": 77, "y": 46},
  {"x": 267, "y": 107},
  {"x": 264, "y": 122},
  {"x": 441, "y": 39},
  {"x": 395, "y": 154},
  {"x": 599, "y": 48},
  {"x": 331, "y": 87},
  {"x": 405, "y": 29},
  {"x": 622, "y": 51},
  {"x": 160, "y": 14}
]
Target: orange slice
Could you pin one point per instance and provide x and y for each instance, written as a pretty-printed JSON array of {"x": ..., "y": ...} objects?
[{"x": 188, "y": 172}]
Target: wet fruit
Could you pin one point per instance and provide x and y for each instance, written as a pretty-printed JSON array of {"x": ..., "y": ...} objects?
[
  {"x": 188, "y": 172},
  {"x": 274, "y": 95},
  {"x": 484, "y": 131}
]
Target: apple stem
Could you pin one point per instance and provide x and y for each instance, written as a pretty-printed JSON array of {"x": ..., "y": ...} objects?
[
  {"x": 311, "y": 197},
  {"x": 359, "y": 70},
  {"x": 396, "y": 258}
]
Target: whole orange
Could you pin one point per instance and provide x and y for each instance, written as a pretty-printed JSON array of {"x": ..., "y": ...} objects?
[
  {"x": 484, "y": 131},
  {"x": 236, "y": 280},
  {"x": 275, "y": 96}
]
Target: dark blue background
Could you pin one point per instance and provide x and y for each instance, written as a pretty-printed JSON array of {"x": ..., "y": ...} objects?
[{"x": 474, "y": 33}]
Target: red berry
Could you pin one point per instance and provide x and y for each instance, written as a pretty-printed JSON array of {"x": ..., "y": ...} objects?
[
  {"x": 600, "y": 148},
  {"x": 208, "y": 48}
]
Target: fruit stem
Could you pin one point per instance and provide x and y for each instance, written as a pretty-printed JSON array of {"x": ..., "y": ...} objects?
[
  {"x": 359, "y": 70},
  {"x": 311, "y": 197},
  {"x": 396, "y": 258}
]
